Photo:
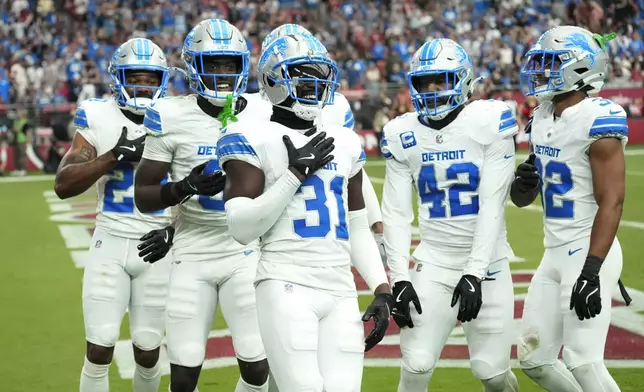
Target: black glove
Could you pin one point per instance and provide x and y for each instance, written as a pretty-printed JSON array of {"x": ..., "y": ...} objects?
[
  {"x": 156, "y": 244},
  {"x": 527, "y": 178},
  {"x": 586, "y": 294},
  {"x": 404, "y": 293},
  {"x": 469, "y": 290},
  {"x": 379, "y": 310},
  {"x": 310, "y": 157},
  {"x": 197, "y": 183},
  {"x": 128, "y": 150}
]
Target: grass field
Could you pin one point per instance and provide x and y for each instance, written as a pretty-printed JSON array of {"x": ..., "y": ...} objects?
[{"x": 43, "y": 249}]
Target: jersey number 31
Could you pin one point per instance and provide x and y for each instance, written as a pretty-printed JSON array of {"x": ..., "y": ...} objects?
[{"x": 318, "y": 204}]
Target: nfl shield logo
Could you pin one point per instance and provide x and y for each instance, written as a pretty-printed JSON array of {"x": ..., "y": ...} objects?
[{"x": 439, "y": 139}]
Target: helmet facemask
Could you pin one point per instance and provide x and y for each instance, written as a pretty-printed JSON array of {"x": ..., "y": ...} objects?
[
  {"x": 436, "y": 93},
  {"x": 136, "y": 87},
  {"x": 215, "y": 76}
]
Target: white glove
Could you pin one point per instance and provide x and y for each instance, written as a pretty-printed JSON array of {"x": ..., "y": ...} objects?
[{"x": 381, "y": 247}]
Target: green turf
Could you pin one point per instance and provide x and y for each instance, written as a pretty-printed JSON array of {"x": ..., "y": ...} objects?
[{"x": 42, "y": 341}]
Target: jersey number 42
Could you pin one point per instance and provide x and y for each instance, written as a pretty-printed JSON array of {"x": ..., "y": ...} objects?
[{"x": 430, "y": 192}]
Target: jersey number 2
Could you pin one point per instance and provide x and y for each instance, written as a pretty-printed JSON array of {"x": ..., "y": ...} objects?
[
  {"x": 121, "y": 184},
  {"x": 430, "y": 193},
  {"x": 318, "y": 204},
  {"x": 216, "y": 202},
  {"x": 564, "y": 209}
]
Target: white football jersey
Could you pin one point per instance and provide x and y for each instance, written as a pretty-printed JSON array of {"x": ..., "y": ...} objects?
[
  {"x": 448, "y": 170},
  {"x": 100, "y": 122},
  {"x": 561, "y": 148},
  {"x": 339, "y": 114},
  {"x": 182, "y": 134},
  {"x": 309, "y": 243}
]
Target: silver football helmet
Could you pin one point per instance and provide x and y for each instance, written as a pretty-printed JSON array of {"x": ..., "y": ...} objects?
[
  {"x": 439, "y": 78},
  {"x": 279, "y": 32},
  {"x": 140, "y": 74},
  {"x": 296, "y": 73},
  {"x": 564, "y": 59},
  {"x": 217, "y": 60}
]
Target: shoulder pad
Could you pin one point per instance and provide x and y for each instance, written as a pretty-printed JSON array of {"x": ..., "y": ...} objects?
[
  {"x": 608, "y": 118},
  {"x": 80, "y": 118},
  {"x": 256, "y": 107},
  {"x": 344, "y": 106},
  {"x": 397, "y": 136},
  {"x": 495, "y": 121}
]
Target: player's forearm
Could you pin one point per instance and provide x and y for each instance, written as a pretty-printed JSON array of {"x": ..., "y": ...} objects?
[
  {"x": 370, "y": 200},
  {"x": 605, "y": 227},
  {"x": 364, "y": 251},
  {"x": 486, "y": 233},
  {"x": 522, "y": 199},
  {"x": 149, "y": 198},
  {"x": 72, "y": 179},
  {"x": 248, "y": 219}
]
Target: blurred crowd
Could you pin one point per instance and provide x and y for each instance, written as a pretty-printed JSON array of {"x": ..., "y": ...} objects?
[{"x": 57, "y": 51}]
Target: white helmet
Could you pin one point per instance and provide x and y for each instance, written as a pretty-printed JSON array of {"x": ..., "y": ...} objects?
[
  {"x": 296, "y": 73},
  {"x": 564, "y": 59},
  {"x": 439, "y": 61},
  {"x": 281, "y": 31},
  {"x": 138, "y": 55},
  {"x": 218, "y": 60}
]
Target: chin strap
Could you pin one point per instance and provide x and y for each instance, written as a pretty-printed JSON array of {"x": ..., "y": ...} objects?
[{"x": 228, "y": 112}]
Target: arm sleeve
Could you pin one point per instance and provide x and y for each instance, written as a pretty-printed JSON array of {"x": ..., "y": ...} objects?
[
  {"x": 364, "y": 250},
  {"x": 82, "y": 125},
  {"x": 370, "y": 200},
  {"x": 359, "y": 163},
  {"x": 157, "y": 143},
  {"x": 248, "y": 219},
  {"x": 235, "y": 146},
  {"x": 397, "y": 216},
  {"x": 614, "y": 125},
  {"x": 496, "y": 178}
]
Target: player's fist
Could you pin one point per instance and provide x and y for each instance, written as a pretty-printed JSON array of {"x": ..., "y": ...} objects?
[
  {"x": 468, "y": 289},
  {"x": 156, "y": 244},
  {"x": 307, "y": 159},
  {"x": 128, "y": 150},
  {"x": 380, "y": 311},
  {"x": 527, "y": 178},
  {"x": 198, "y": 183},
  {"x": 404, "y": 293},
  {"x": 586, "y": 292}
]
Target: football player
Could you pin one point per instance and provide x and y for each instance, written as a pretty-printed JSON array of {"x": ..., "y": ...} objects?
[
  {"x": 577, "y": 165},
  {"x": 105, "y": 150},
  {"x": 283, "y": 185},
  {"x": 211, "y": 267},
  {"x": 340, "y": 113},
  {"x": 459, "y": 160}
]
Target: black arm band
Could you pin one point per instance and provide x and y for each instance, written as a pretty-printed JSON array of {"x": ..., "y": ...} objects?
[
  {"x": 592, "y": 265},
  {"x": 168, "y": 196}
]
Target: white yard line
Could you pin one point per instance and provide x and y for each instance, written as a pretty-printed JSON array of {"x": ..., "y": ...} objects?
[{"x": 38, "y": 178}]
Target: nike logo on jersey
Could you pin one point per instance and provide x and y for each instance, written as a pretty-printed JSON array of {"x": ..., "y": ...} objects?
[
  {"x": 247, "y": 252},
  {"x": 493, "y": 273},
  {"x": 507, "y": 156},
  {"x": 309, "y": 157},
  {"x": 399, "y": 294},
  {"x": 131, "y": 148},
  {"x": 615, "y": 112},
  {"x": 572, "y": 252},
  {"x": 472, "y": 289}
]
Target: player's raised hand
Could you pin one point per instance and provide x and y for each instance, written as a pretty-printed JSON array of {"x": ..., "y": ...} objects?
[
  {"x": 307, "y": 159},
  {"x": 527, "y": 178},
  {"x": 379, "y": 310},
  {"x": 468, "y": 289},
  {"x": 198, "y": 183},
  {"x": 156, "y": 244},
  {"x": 128, "y": 150},
  {"x": 404, "y": 293},
  {"x": 586, "y": 293}
]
